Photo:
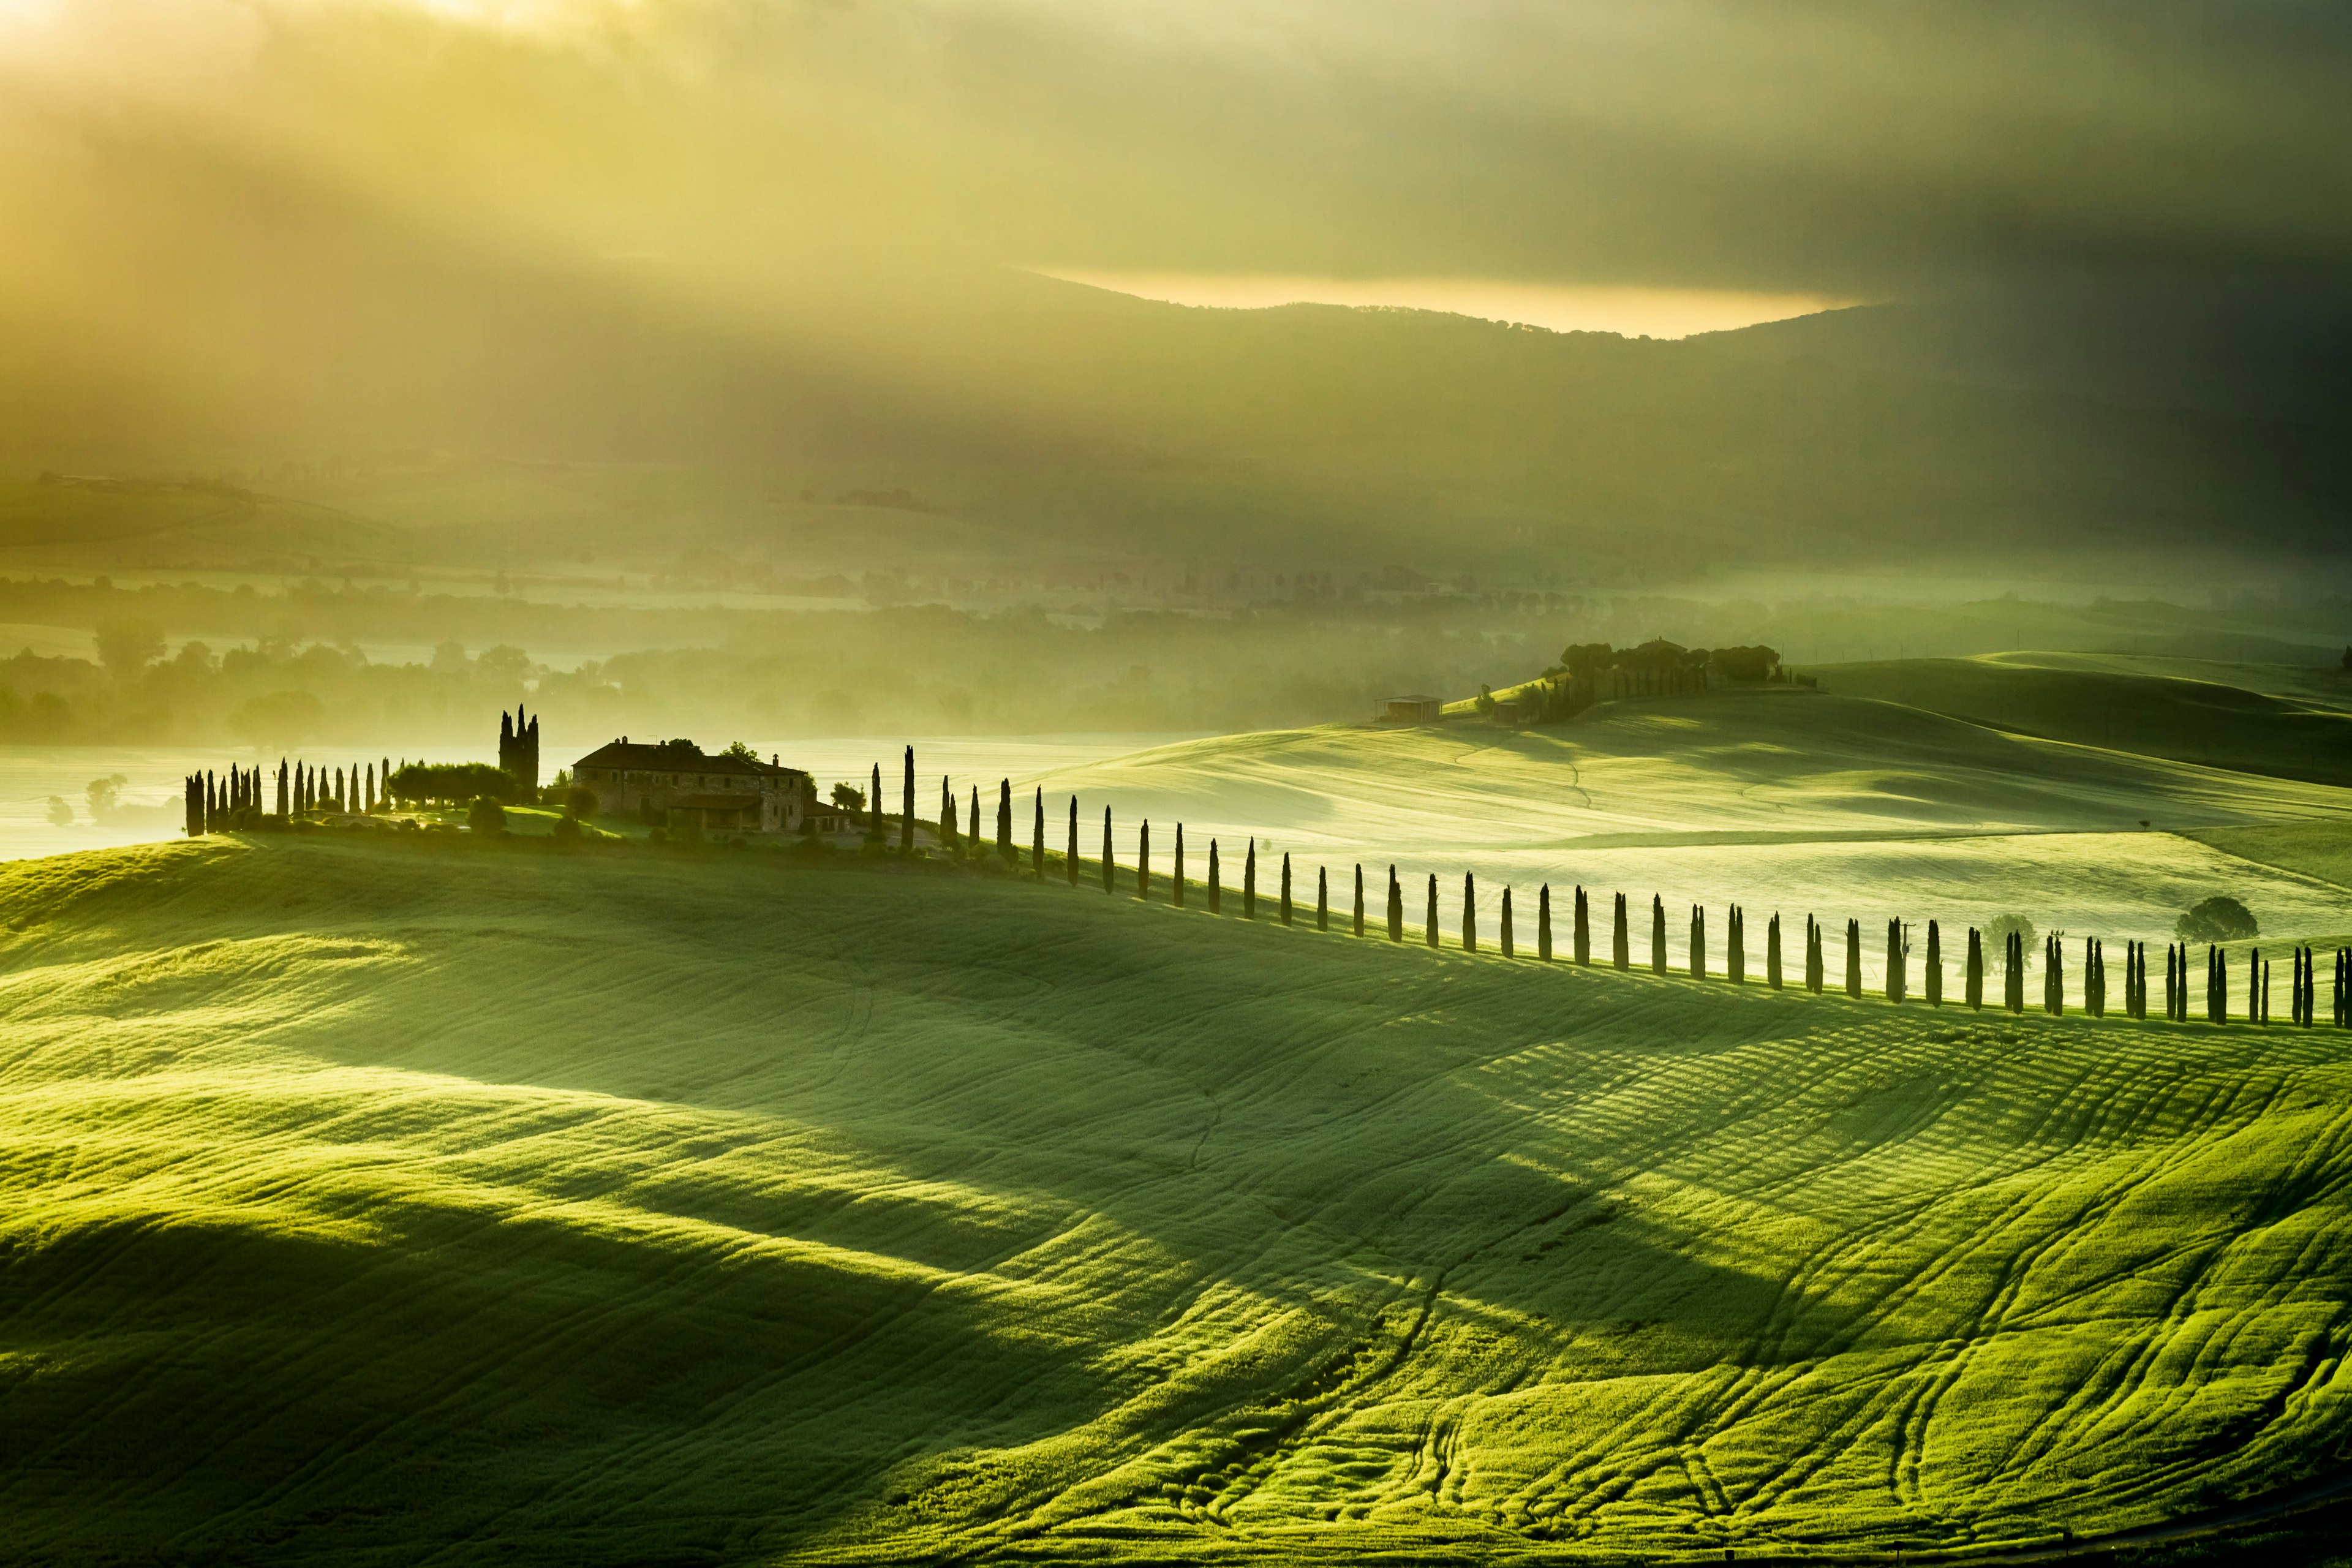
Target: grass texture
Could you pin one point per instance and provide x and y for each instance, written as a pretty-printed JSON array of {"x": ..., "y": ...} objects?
[{"x": 375, "y": 1204}]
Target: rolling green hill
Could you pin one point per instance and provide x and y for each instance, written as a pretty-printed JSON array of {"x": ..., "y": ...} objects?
[
  {"x": 2212, "y": 721},
  {"x": 377, "y": 1203}
]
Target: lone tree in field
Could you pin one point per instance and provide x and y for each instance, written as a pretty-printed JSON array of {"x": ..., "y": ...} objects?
[
  {"x": 1109, "y": 859},
  {"x": 1469, "y": 913},
  {"x": 906, "y": 806},
  {"x": 1072, "y": 858},
  {"x": 1216, "y": 882},
  {"x": 1360, "y": 898},
  {"x": 2218, "y": 919},
  {"x": 1508, "y": 952},
  {"x": 1543, "y": 922},
  {"x": 873, "y": 827},
  {"x": 1037, "y": 843},
  {"x": 1176, "y": 872},
  {"x": 1143, "y": 862},
  {"x": 1581, "y": 933},
  {"x": 1621, "y": 940},
  {"x": 1285, "y": 907},
  {"x": 1005, "y": 844},
  {"x": 1772, "y": 952},
  {"x": 1431, "y": 922},
  {"x": 1396, "y": 907},
  {"x": 1322, "y": 900},
  {"x": 1249, "y": 881}
]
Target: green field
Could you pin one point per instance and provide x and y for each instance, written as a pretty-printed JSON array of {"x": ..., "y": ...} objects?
[{"x": 383, "y": 1201}]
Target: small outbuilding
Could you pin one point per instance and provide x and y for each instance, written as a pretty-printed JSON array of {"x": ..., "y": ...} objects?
[{"x": 1413, "y": 710}]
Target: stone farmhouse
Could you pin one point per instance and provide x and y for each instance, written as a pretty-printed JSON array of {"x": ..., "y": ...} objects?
[{"x": 726, "y": 794}]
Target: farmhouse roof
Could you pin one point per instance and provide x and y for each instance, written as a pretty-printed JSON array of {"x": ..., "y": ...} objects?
[{"x": 643, "y": 758}]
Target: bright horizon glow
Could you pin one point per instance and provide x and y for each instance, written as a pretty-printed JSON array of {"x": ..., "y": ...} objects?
[{"x": 1631, "y": 310}]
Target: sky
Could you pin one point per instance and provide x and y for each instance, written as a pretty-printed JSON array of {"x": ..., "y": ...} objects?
[{"x": 192, "y": 186}]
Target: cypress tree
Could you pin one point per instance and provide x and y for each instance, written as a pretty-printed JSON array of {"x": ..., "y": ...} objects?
[
  {"x": 1249, "y": 879},
  {"x": 1735, "y": 949},
  {"x": 342, "y": 800},
  {"x": 1699, "y": 942},
  {"x": 2095, "y": 978},
  {"x": 2172, "y": 982},
  {"x": 907, "y": 804},
  {"x": 1772, "y": 952},
  {"x": 1854, "y": 959},
  {"x": 1110, "y": 856},
  {"x": 1543, "y": 922},
  {"x": 948, "y": 834},
  {"x": 1469, "y": 913},
  {"x": 2013, "y": 977},
  {"x": 383, "y": 776},
  {"x": 874, "y": 806},
  {"x": 1581, "y": 933},
  {"x": 1360, "y": 898},
  {"x": 1816, "y": 967},
  {"x": 1038, "y": 842},
  {"x": 1657, "y": 934},
  {"x": 1216, "y": 887},
  {"x": 1282, "y": 908},
  {"x": 2054, "y": 978},
  {"x": 1176, "y": 876},
  {"x": 2257, "y": 986},
  {"x": 1934, "y": 977},
  {"x": 1507, "y": 950},
  {"x": 1143, "y": 862},
  {"x": 972, "y": 844},
  {"x": 284, "y": 780},
  {"x": 1621, "y": 940},
  {"x": 1322, "y": 898},
  {"x": 1430, "y": 922},
  {"x": 1005, "y": 844},
  {"x": 1072, "y": 859},
  {"x": 1972, "y": 975},
  {"x": 192, "y": 810},
  {"x": 1897, "y": 967},
  {"x": 1396, "y": 907}
]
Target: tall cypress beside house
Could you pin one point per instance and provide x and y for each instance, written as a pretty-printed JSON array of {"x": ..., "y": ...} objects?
[
  {"x": 1216, "y": 882},
  {"x": 1657, "y": 934},
  {"x": 1621, "y": 940},
  {"x": 1005, "y": 846},
  {"x": 1734, "y": 947},
  {"x": 1854, "y": 959},
  {"x": 1360, "y": 898},
  {"x": 1072, "y": 859},
  {"x": 1322, "y": 900},
  {"x": 1507, "y": 950},
  {"x": 1580, "y": 931},
  {"x": 1543, "y": 922},
  {"x": 907, "y": 805},
  {"x": 1037, "y": 841},
  {"x": 1699, "y": 942},
  {"x": 1772, "y": 952},
  {"x": 1396, "y": 907},
  {"x": 1110, "y": 858},
  {"x": 1143, "y": 862},
  {"x": 1283, "y": 909},
  {"x": 1249, "y": 880},
  {"x": 1176, "y": 874},
  {"x": 1469, "y": 913}
]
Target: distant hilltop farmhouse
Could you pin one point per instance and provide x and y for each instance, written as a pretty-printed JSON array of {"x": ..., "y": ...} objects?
[{"x": 730, "y": 792}]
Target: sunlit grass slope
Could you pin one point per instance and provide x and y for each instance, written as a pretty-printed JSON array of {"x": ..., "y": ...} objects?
[
  {"x": 2210, "y": 721},
  {"x": 372, "y": 1204}
]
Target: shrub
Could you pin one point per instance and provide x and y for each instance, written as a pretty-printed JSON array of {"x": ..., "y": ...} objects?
[
  {"x": 580, "y": 801},
  {"x": 2218, "y": 919},
  {"x": 567, "y": 827},
  {"x": 486, "y": 815}
]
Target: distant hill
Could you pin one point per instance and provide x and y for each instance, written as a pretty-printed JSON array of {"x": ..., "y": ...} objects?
[{"x": 1033, "y": 414}]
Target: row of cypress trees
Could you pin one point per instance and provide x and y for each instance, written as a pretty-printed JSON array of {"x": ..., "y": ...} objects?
[
  {"x": 1898, "y": 944},
  {"x": 216, "y": 803}
]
